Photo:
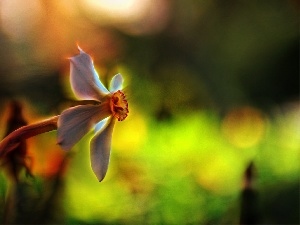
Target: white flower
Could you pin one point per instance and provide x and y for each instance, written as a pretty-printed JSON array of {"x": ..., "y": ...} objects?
[{"x": 75, "y": 122}]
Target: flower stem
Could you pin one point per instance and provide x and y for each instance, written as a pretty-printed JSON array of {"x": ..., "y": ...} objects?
[{"x": 12, "y": 140}]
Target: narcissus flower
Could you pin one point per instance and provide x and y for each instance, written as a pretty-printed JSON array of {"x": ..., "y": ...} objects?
[{"x": 110, "y": 105}]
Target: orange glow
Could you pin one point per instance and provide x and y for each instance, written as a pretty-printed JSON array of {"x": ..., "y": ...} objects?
[
  {"x": 47, "y": 160},
  {"x": 244, "y": 127}
]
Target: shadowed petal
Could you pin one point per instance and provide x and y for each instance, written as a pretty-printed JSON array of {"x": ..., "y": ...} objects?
[
  {"x": 100, "y": 150},
  {"x": 85, "y": 81},
  {"x": 116, "y": 83},
  {"x": 75, "y": 122}
]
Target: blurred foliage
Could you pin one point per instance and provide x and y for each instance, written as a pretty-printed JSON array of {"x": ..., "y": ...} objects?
[
  {"x": 212, "y": 86},
  {"x": 195, "y": 169}
]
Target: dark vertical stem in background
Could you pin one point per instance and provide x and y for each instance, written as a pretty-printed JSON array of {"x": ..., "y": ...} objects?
[
  {"x": 22, "y": 204},
  {"x": 249, "y": 199},
  {"x": 13, "y": 163}
]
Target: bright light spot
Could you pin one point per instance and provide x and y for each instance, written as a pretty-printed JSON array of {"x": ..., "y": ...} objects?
[
  {"x": 114, "y": 10},
  {"x": 125, "y": 7},
  {"x": 133, "y": 16},
  {"x": 244, "y": 127}
]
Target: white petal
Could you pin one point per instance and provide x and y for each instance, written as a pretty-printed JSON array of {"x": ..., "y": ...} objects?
[
  {"x": 85, "y": 81},
  {"x": 100, "y": 150},
  {"x": 116, "y": 83},
  {"x": 75, "y": 122},
  {"x": 100, "y": 125}
]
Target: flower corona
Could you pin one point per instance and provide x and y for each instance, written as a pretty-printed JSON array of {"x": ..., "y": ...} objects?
[{"x": 119, "y": 105}]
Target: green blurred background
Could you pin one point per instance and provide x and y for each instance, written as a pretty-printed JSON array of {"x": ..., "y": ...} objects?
[{"x": 212, "y": 86}]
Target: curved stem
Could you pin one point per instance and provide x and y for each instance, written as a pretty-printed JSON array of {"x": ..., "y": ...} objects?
[{"x": 12, "y": 140}]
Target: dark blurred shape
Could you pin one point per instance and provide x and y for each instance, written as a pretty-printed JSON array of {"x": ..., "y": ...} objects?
[
  {"x": 42, "y": 90},
  {"x": 164, "y": 114},
  {"x": 37, "y": 201},
  {"x": 14, "y": 163},
  {"x": 277, "y": 80},
  {"x": 8, "y": 65},
  {"x": 17, "y": 160},
  {"x": 51, "y": 209},
  {"x": 249, "y": 199},
  {"x": 48, "y": 83},
  {"x": 281, "y": 203},
  {"x": 29, "y": 201}
]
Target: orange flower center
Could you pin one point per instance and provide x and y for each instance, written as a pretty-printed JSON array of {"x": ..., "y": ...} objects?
[{"x": 119, "y": 105}]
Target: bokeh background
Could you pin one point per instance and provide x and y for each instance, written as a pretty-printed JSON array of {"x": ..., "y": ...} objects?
[{"x": 213, "y": 89}]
